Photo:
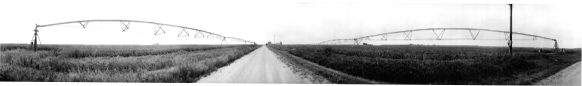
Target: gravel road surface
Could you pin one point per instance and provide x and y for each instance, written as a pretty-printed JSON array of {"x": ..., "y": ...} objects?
[{"x": 259, "y": 66}]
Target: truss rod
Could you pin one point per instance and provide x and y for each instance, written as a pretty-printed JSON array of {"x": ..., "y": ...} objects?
[
  {"x": 474, "y": 36},
  {"x": 84, "y": 24},
  {"x": 408, "y": 35},
  {"x": 183, "y": 31},
  {"x": 440, "y": 36},
  {"x": 157, "y": 28},
  {"x": 385, "y": 36},
  {"x": 124, "y": 26}
]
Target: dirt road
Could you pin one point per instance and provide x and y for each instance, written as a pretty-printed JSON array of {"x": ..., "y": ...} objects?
[
  {"x": 569, "y": 77},
  {"x": 259, "y": 66}
]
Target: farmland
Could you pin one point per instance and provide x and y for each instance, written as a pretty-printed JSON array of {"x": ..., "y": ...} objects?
[
  {"x": 115, "y": 63},
  {"x": 409, "y": 64}
]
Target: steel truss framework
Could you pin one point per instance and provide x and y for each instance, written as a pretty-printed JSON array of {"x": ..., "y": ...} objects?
[
  {"x": 125, "y": 25},
  {"x": 438, "y": 36}
]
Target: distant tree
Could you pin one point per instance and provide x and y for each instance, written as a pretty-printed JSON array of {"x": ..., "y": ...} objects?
[{"x": 367, "y": 44}]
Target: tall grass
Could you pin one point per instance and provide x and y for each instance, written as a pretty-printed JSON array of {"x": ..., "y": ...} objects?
[{"x": 138, "y": 64}]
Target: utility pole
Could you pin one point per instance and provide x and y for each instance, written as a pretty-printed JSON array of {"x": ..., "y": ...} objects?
[
  {"x": 273, "y": 38},
  {"x": 510, "y": 28},
  {"x": 35, "y": 38}
]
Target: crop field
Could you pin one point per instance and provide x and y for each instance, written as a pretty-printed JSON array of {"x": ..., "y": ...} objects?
[
  {"x": 415, "y": 64},
  {"x": 115, "y": 63}
]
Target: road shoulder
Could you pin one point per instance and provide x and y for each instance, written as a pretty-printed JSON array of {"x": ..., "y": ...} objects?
[
  {"x": 320, "y": 73},
  {"x": 569, "y": 76}
]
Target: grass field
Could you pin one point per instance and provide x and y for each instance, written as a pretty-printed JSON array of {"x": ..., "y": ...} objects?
[
  {"x": 115, "y": 63},
  {"x": 404, "y": 64}
]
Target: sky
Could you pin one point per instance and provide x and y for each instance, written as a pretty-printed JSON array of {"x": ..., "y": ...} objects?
[{"x": 290, "y": 22}]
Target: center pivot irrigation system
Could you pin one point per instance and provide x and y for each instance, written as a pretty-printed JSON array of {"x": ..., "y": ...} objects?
[
  {"x": 438, "y": 36},
  {"x": 158, "y": 30},
  {"x": 408, "y": 34}
]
